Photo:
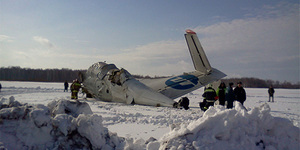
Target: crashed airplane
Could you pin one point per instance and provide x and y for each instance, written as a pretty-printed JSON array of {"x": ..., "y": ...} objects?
[{"x": 106, "y": 82}]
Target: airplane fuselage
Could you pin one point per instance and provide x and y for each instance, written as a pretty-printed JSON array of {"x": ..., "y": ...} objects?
[{"x": 108, "y": 83}]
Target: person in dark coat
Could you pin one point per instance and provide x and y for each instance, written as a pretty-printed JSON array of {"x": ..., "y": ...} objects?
[
  {"x": 229, "y": 96},
  {"x": 0, "y": 87},
  {"x": 271, "y": 92},
  {"x": 221, "y": 93},
  {"x": 240, "y": 93},
  {"x": 203, "y": 103},
  {"x": 66, "y": 86},
  {"x": 209, "y": 96}
]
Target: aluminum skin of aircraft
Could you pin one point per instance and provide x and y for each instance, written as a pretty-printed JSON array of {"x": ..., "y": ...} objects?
[{"x": 106, "y": 82}]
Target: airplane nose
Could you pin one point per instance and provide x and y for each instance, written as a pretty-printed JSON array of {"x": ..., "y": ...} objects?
[{"x": 142, "y": 94}]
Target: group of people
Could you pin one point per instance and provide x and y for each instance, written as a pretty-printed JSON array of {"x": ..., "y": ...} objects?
[
  {"x": 223, "y": 94},
  {"x": 75, "y": 87}
]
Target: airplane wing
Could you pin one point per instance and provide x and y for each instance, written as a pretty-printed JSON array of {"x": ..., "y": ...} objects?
[
  {"x": 204, "y": 74},
  {"x": 176, "y": 86}
]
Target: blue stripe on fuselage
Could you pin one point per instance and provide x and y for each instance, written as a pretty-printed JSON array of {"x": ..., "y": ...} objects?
[{"x": 182, "y": 82}]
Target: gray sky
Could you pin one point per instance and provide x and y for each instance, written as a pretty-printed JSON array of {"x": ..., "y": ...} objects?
[{"x": 241, "y": 38}]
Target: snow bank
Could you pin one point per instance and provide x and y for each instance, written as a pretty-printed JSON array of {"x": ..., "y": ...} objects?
[
  {"x": 66, "y": 124},
  {"x": 63, "y": 124},
  {"x": 221, "y": 128}
]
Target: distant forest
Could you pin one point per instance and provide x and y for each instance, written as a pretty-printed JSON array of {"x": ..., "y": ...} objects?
[
  {"x": 61, "y": 75},
  {"x": 260, "y": 83},
  {"x": 38, "y": 75}
]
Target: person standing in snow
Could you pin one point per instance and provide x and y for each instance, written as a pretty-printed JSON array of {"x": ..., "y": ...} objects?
[
  {"x": 0, "y": 87},
  {"x": 203, "y": 103},
  {"x": 229, "y": 96},
  {"x": 240, "y": 93},
  {"x": 271, "y": 92},
  {"x": 209, "y": 96},
  {"x": 75, "y": 87},
  {"x": 66, "y": 84},
  {"x": 221, "y": 93}
]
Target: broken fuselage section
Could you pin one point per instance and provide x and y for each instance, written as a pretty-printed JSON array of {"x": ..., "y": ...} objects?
[{"x": 108, "y": 83}]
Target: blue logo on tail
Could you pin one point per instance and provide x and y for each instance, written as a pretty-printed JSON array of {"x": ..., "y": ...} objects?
[{"x": 182, "y": 82}]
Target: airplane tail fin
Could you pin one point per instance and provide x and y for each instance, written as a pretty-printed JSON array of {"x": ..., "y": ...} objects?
[{"x": 199, "y": 58}]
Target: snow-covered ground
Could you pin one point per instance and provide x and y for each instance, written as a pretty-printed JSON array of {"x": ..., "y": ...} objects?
[{"x": 263, "y": 125}]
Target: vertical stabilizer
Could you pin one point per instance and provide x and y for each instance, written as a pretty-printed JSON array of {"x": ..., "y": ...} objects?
[{"x": 197, "y": 53}]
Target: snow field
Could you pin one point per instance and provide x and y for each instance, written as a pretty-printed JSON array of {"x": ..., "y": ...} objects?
[{"x": 262, "y": 126}]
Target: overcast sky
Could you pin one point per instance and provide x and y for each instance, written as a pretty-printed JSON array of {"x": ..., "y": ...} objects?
[{"x": 251, "y": 38}]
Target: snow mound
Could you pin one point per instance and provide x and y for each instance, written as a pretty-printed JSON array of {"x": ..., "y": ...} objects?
[
  {"x": 64, "y": 124},
  {"x": 67, "y": 124},
  {"x": 221, "y": 128}
]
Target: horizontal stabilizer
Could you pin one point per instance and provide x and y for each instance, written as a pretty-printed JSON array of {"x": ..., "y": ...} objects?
[{"x": 199, "y": 58}]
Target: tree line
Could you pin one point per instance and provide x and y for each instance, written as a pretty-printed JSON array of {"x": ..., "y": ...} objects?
[
  {"x": 17, "y": 73},
  {"x": 260, "y": 83},
  {"x": 38, "y": 75}
]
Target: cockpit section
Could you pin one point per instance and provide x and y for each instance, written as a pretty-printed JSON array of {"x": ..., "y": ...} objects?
[
  {"x": 116, "y": 76},
  {"x": 105, "y": 69}
]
